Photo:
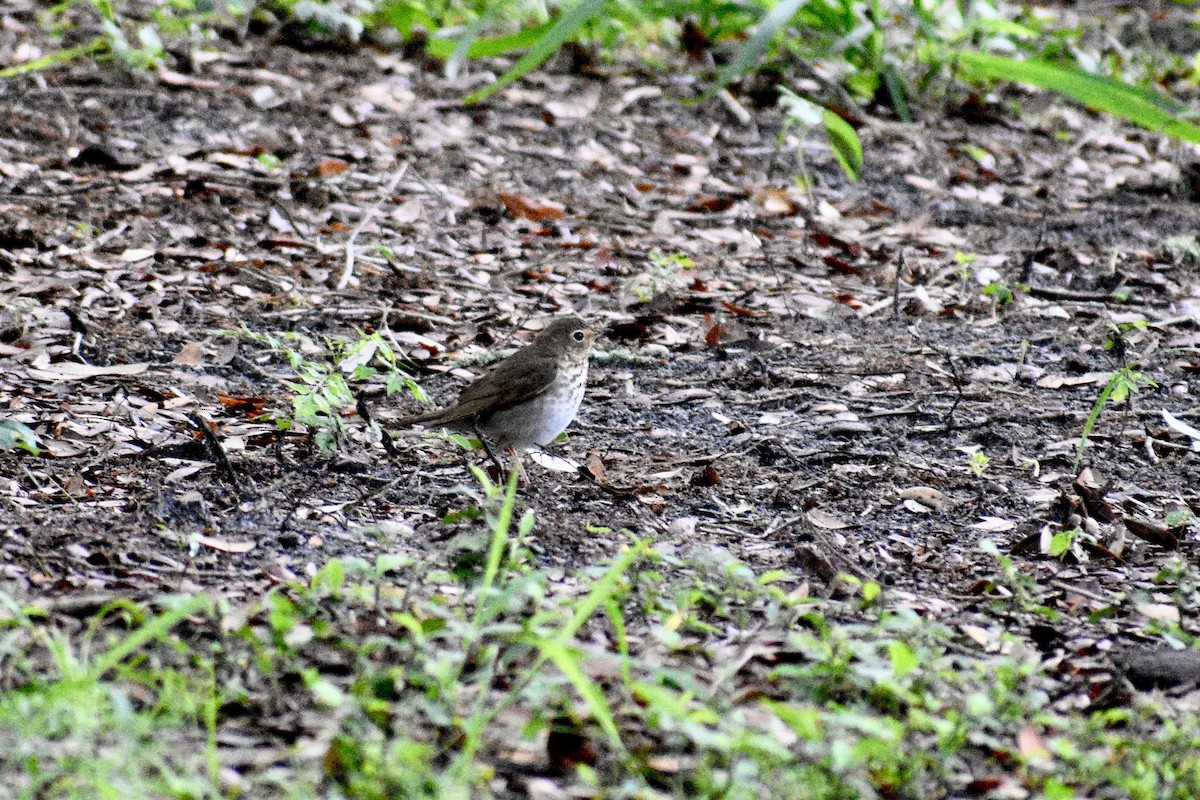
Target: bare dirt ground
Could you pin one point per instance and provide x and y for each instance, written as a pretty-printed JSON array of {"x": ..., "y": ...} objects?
[{"x": 806, "y": 393}]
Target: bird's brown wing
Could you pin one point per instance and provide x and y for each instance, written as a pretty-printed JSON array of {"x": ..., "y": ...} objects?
[{"x": 514, "y": 380}]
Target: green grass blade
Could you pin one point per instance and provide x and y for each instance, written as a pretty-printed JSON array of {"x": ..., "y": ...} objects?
[
  {"x": 154, "y": 630},
  {"x": 94, "y": 47},
  {"x": 1119, "y": 99},
  {"x": 498, "y": 544},
  {"x": 600, "y": 594},
  {"x": 487, "y": 48},
  {"x": 847, "y": 148},
  {"x": 1092, "y": 417},
  {"x": 562, "y": 29},
  {"x": 603, "y": 589},
  {"x": 567, "y": 660},
  {"x": 754, "y": 47}
]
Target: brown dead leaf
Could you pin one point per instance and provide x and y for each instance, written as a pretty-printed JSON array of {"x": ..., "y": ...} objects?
[
  {"x": 568, "y": 744},
  {"x": 737, "y": 310},
  {"x": 825, "y": 520},
  {"x": 224, "y": 545},
  {"x": 251, "y": 406},
  {"x": 190, "y": 355},
  {"x": 1086, "y": 379},
  {"x": 1030, "y": 743},
  {"x": 925, "y": 495},
  {"x": 328, "y": 167},
  {"x": 712, "y": 336},
  {"x": 531, "y": 209},
  {"x": 595, "y": 467},
  {"x": 1092, "y": 492},
  {"x": 1152, "y": 532},
  {"x": 711, "y": 204},
  {"x": 707, "y": 477},
  {"x": 777, "y": 202}
]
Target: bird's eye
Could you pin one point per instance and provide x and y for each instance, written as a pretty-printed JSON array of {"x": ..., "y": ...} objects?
[{"x": 577, "y": 336}]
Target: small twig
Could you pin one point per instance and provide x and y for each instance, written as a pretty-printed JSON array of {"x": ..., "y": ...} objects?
[
  {"x": 734, "y": 107},
  {"x": 348, "y": 272},
  {"x": 896, "y": 286},
  {"x": 1070, "y": 295},
  {"x": 385, "y": 438},
  {"x": 287, "y": 214},
  {"x": 622, "y": 492},
  {"x": 959, "y": 395},
  {"x": 216, "y": 451}
]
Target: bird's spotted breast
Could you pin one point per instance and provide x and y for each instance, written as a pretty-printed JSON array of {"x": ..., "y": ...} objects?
[{"x": 540, "y": 420}]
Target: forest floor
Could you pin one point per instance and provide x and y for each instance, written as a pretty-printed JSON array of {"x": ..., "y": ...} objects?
[{"x": 873, "y": 394}]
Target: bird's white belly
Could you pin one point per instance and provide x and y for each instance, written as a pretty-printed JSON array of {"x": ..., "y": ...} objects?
[{"x": 539, "y": 422}]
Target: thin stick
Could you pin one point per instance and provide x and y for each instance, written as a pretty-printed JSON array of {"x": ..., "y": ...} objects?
[
  {"x": 348, "y": 272},
  {"x": 215, "y": 451}
]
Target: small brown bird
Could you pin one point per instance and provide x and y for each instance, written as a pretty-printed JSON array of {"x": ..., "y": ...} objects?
[{"x": 529, "y": 398}]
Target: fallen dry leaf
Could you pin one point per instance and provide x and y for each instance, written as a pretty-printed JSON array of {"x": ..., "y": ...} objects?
[
  {"x": 224, "y": 545},
  {"x": 531, "y": 209},
  {"x": 74, "y": 371}
]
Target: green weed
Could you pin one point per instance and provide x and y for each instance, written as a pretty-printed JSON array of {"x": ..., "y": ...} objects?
[
  {"x": 321, "y": 388},
  {"x": 16, "y": 435},
  {"x": 1121, "y": 385}
]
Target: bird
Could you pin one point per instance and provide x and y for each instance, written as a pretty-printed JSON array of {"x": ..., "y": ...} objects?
[{"x": 527, "y": 399}]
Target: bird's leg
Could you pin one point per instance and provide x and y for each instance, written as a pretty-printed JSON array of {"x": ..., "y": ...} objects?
[
  {"x": 488, "y": 450},
  {"x": 522, "y": 476}
]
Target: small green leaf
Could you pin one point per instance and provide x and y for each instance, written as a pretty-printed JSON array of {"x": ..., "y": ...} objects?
[
  {"x": 847, "y": 148},
  {"x": 562, "y": 30},
  {"x": 485, "y": 48},
  {"x": 1053, "y": 789},
  {"x": 1150, "y": 110},
  {"x": 1061, "y": 542},
  {"x": 18, "y": 435},
  {"x": 773, "y": 576},
  {"x": 753, "y": 48},
  {"x": 904, "y": 660}
]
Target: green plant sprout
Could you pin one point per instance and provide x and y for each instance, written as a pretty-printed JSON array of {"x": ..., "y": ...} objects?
[
  {"x": 978, "y": 462},
  {"x": 1123, "y": 383},
  {"x": 663, "y": 270},
  {"x": 806, "y": 115},
  {"x": 16, "y": 435},
  {"x": 1022, "y": 587},
  {"x": 268, "y": 161},
  {"x": 1001, "y": 295},
  {"x": 321, "y": 389},
  {"x": 1114, "y": 337}
]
